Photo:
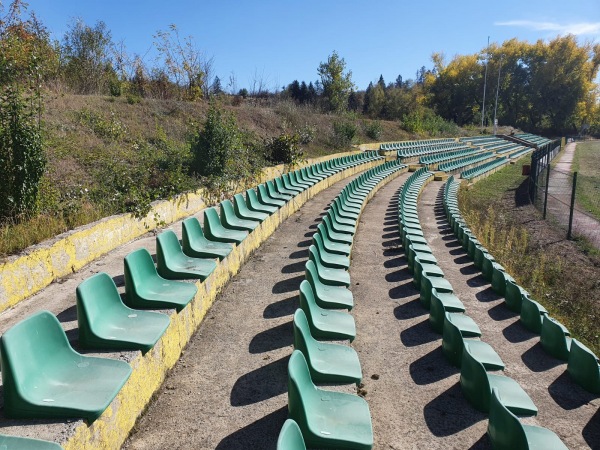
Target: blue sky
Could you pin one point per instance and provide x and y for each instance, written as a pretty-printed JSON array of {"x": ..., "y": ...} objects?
[{"x": 280, "y": 41}]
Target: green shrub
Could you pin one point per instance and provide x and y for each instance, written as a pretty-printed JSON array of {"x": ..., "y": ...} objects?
[
  {"x": 344, "y": 131},
  {"x": 22, "y": 159},
  {"x": 307, "y": 134},
  {"x": 425, "y": 121},
  {"x": 213, "y": 145},
  {"x": 283, "y": 149},
  {"x": 373, "y": 129}
]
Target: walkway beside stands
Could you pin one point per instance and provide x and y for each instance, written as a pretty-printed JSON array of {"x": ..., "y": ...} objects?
[{"x": 561, "y": 176}]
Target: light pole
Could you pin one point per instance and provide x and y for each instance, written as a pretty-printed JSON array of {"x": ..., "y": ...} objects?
[
  {"x": 485, "y": 81},
  {"x": 497, "y": 91}
]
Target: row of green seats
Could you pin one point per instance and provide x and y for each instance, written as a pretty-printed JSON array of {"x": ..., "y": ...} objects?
[
  {"x": 509, "y": 148},
  {"x": 459, "y": 344},
  {"x": 344, "y": 421},
  {"x": 505, "y": 403},
  {"x": 520, "y": 152},
  {"x": 462, "y": 162},
  {"x": 44, "y": 377},
  {"x": 476, "y": 140},
  {"x": 427, "y": 149},
  {"x": 483, "y": 168},
  {"x": 405, "y": 144},
  {"x": 446, "y": 155},
  {"x": 555, "y": 338}
]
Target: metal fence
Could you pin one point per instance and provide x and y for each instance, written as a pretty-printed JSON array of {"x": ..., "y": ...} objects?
[{"x": 553, "y": 191}]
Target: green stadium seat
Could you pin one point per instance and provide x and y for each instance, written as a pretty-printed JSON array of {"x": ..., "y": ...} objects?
[
  {"x": 532, "y": 314},
  {"x": 453, "y": 346},
  {"x": 44, "y": 378},
  {"x": 499, "y": 279},
  {"x": 338, "y": 248},
  {"x": 283, "y": 190},
  {"x": 254, "y": 204},
  {"x": 584, "y": 367},
  {"x": 328, "y": 419},
  {"x": 243, "y": 212},
  {"x": 513, "y": 295},
  {"x": 232, "y": 222},
  {"x": 326, "y": 296},
  {"x": 555, "y": 338},
  {"x": 506, "y": 431},
  {"x": 21, "y": 443},
  {"x": 197, "y": 246},
  {"x": 332, "y": 277},
  {"x": 440, "y": 304},
  {"x": 274, "y": 193},
  {"x": 173, "y": 264},
  {"x": 430, "y": 282},
  {"x": 290, "y": 437},
  {"x": 331, "y": 260},
  {"x": 336, "y": 226},
  {"x": 265, "y": 198},
  {"x": 328, "y": 363},
  {"x": 325, "y": 324},
  {"x": 477, "y": 385},
  {"x": 146, "y": 289},
  {"x": 104, "y": 322},
  {"x": 215, "y": 231}
]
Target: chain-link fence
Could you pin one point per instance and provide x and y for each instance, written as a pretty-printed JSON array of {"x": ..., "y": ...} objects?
[{"x": 553, "y": 190}]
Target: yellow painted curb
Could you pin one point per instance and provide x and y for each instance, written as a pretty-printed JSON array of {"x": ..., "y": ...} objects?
[
  {"x": 23, "y": 275},
  {"x": 111, "y": 429}
]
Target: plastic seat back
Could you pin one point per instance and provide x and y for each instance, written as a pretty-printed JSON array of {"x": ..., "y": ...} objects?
[
  {"x": 290, "y": 437},
  {"x": 167, "y": 248},
  {"x": 452, "y": 341},
  {"x": 584, "y": 367},
  {"x": 21, "y": 443},
  {"x": 554, "y": 338},
  {"x": 301, "y": 390},
  {"x": 474, "y": 381},
  {"x": 139, "y": 267},
  {"x": 303, "y": 340}
]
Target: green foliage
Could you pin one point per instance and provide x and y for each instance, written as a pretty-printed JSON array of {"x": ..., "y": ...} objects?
[
  {"x": 336, "y": 83},
  {"x": 425, "y": 121},
  {"x": 307, "y": 134},
  {"x": 284, "y": 149},
  {"x": 373, "y": 129},
  {"x": 544, "y": 87},
  {"x": 344, "y": 132},
  {"x": 110, "y": 128},
  {"x": 22, "y": 159},
  {"x": 86, "y": 57},
  {"x": 216, "y": 143},
  {"x": 586, "y": 163}
]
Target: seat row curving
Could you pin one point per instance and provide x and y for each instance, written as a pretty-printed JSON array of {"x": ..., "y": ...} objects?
[
  {"x": 318, "y": 417},
  {"x": 481, "y": 377},
  {"x": 44, "y": 377},
  {"x": 463, "y": 162},
  {"x": 582, "y": 364},
  {"x": 484, "y": 168}
]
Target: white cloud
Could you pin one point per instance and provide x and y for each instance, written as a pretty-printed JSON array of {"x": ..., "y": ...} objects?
[{"x": 573, "y": 28}]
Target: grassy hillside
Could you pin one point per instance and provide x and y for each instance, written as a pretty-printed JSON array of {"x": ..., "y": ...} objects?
[{"x": 108, "y": 155}]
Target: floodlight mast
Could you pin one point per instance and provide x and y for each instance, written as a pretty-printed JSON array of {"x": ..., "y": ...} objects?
[
  {"x": 485, "y": 81},
  {"x": 497, "y": 91}
]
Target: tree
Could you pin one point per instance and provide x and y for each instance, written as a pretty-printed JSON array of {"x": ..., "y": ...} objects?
[
  {"x": 381, "y": 82},
  {"x": 337, "y": 84},
  {"x": 184, "y": 63},
  {"x": 216, "y": 88},
  {"x": 86, "y": 54}
]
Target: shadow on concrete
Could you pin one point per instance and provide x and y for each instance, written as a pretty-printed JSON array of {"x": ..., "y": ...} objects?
[
  {"x": 500, "y": 313},
  {"x": 289, "y": 285},
  {"x": 260, "y": 384},
  {"x": 294, "y": 267},
  {"x": 431, "y": 368},
  {"x": 567, "y": 394},
  {"x": 591, "y": 432},
  {"x": 403, "y": 291},
  {"x": 273, "y": 338},
  {"x": 537, "y": 360},
  {"x": 410, "y": 310},
  {"x": 68, "y": 315},
  {"x": 299, "y": 254},
  {"x": 261, "y": 434},
  {"x": 418, "y": 334},
  {"x": 516, "y": 332},
  {"x": 450, "y": 413},
  {"x": 282, "y": 308}
]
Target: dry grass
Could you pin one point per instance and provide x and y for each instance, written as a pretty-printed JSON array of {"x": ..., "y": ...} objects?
[{"x": 555, "y": 271}]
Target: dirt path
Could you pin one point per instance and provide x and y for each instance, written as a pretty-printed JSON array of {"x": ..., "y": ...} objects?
[
  {"x": 564, "y": 407},
  {"x": 229, "y": 389},
  {"x": 559, "y": 201}
]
